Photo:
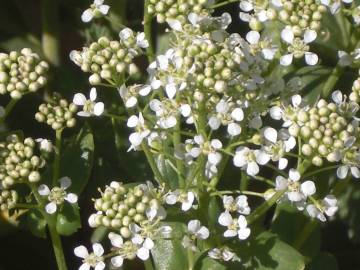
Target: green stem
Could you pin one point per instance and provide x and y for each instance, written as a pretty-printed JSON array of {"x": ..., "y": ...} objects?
[
  {"x": 26, "y": 206},
  {"x": 331, "y": 81},
  {"x": 320, "y": 170},
  {"x": 152, "y": 163},
  {"x": 50, "y": 31},
  {"x": 8, "y": 109},
  {"x": 148, "y": 265},
  {"x": 147, "y": 30},
  {"x": 244, "y": 183},
  {"x": 224, "y": 3},
  {"x": 56, "y": 166},
  {"x": 305, "y": 234},
  {"x": 190, "y": 258},
  {"x": 262, "y": 209}
]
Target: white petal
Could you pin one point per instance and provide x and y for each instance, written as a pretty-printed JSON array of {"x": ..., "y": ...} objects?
[
  {"x": 230, "y": 233},
  {"x": 242, "y": 222},
  {"x": 244, "y": 233},
  {"x": 117, "y": 261},
  {"x": 309, "y": 36},
  {"x": 145, "y": 90},
  {"x": 87, "y": 15},
  {"x": 174, "y": 24},
  {"x": 270, "y": 134},
  {"x": 51, "y": 208},
  {"x": 104, "y": 9},
  {"x": 294, "y": 196},
  {"x": 214, "y": 123},
  {"x": 225, "y": 219},
  {"x": 170, "y": 89},
  {"x": 79, "y": 99},
  {"x": 253, "y": 37},
  {"x": 355, "y": 172},
  {"x": 171, "y": 199},
  {"x": 268, "y": 53},
  {"x": 143, "y": 253},
  {"x": 261, "y": 157},
  {"x": 85, "y": 266},
  {"x": 65, "y": 182},
  {"x": 237, "y": 114},
  {"x": 294, "y": 175},
  {"x": 135, "y": 138},
  {"x": 100, "y": 266},
  {"x": 203, "y": 233},
  {"x": 234, "y": 129},
  {"x": 131, "y": 102},
  {"x": 216, "y": 144},
  {"x": 311, "y": 58},
  {"x": 83, "y": 114},
  {"x": 286, "y": 60},
  {"x": 194, "y": 225},
  {"x": 98, "y": 249},
  {"x": 296, "y": 100},
  {"x": 93, "y": 94},
  {"x": 283, "y": 162},
  {"x": 342, "y": 171},
  {"x": 252, "y": 168},
  {"x": 98, "y": 108},
  {"x": 148, "y": 243},
  {"x": 287, "y": 35},
  {"x": 44, "y": 190},
  {"x": 246, "y": 6},
  {"x": 81, "y": 252},
  {"x": 71, "y": 198},
  {"x": 239, "y": 160},
  {"x": 132, "y": 121},
  {"x": 337, "y": 97},
  {"x": 276, "y": 113},
  {"x": 185, "y": 110},
  {"x": 281, "y": 183},
  {"x": 308, "y": 188}
]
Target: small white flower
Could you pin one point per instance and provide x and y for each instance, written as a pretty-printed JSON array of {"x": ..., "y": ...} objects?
[
  {"x": 185, "y": 198},
  {"x": 328, "y": 206},
  {"x": 343, "y": 170},
  {"x": 198, "y": 231},
  {"x": 335, "y": 5},
  {"x": 234, "y": 226},
  {"x": 298, "y": 47},
  {"x": 268, "y": 51},
  {"x": 224, "y": 254},
  {"x": 57, "y": 195},
  {"x": 96, "y": 10},
  {"x": 141, "y": 40},
  {"x": 240, "y": 204},
  {"x": 90, "y": 107},
  {"x": 94, "y": 259},
  {"x": 45, "y": 145},
  {"x": 248, "y": 159},
  {"x": 141, "y": 132}
]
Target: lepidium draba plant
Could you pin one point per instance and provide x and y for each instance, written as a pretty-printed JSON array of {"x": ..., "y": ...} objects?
[{"x": 246, "y": 136}]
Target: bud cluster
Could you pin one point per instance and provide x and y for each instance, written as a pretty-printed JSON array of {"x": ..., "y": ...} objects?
[
  {"x": 301, "y": 15},
  {"x": 120, "y": 206},
  {"x": 175, "y": 9},
  {"x": 8, "y": 199},
  {"x": 21, "y": 72},
  {"x": 110, "y": 60},
  {"x": 324, "y": 131},
  {"x": 18, "y": 161},
  {"x": 58, "y": 113}
]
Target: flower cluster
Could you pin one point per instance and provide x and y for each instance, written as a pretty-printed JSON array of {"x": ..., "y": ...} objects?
[
  {"x": 96, "y": 10},
  {"x": 22, "y": 72},
  {"x": 58, "y": 113},
  {"x": 110, "y": 60},
  {"x": 19, "y": 162},
  {"x": 120, "y": 206},
  {"x": 8, "y": 199},
  {"x": 175, "y": 9}
]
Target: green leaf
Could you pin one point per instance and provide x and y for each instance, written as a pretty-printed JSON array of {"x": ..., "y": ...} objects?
[
  {"x": 288, "y": 225},
  {"x": 77, "y": 160},
  {"x": 36, "y": 223},
  {"x": 323, "y": 261},
  {"x": 267, "y": 252},
  {"x": 68, "y": 219},
  {"x": 170, "y": 254}
]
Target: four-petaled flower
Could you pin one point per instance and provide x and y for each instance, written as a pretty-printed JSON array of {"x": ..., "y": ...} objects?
[
  {"x": 90, "y": 107},
  {"x": 96, "y": 10},
  {"x": 94, "y": 259}
]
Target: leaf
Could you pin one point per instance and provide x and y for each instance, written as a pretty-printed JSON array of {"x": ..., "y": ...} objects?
[
  {"x": 167, "y": 171},
  {"x": 77, "y": 160},
  {"x": 36, "y": 223},
  {"x": 68, "y": 219},
  {"x": 323, "y": 261},
  {"x": 267, "y": 252},
  {"x": 170, "y": 254},
  {"x": 288, "y": 225}
]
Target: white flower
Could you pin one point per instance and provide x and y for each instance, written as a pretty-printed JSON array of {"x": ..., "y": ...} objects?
[
  {"x": 234, "y": 226},
  {"x": 96, "y": 10},
  {"x": 94, "y": 259},
  {"x": 90, "y": 107},
  {"x": 142, "y": 131},
  {"x": 268, "y": 51},
  {"x": 145, "y": 245},
  {"x": 198, "y": 231},
  {"x": 248, "y": 159},
  {"x": 224, "y": 254},
  {"x": 298, "y": 47},
  {"x": 328, "y": 207},
  {"x": 343, "y": 170},
  {"x": 186, "y": 199},
  {"x": 296, "y": 191},
  {"x": 141, "y": 40},
  {"x": 240, "y": 204},
  {"x": 57, "y": 195},
  {"x": 208, "y": 148},
  {"x": 335, "y": 5},
  {"x": 129, "y": 95}
]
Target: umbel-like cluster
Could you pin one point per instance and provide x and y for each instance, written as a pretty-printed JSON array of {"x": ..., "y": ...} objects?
[
  {"x": 325, "y": 129},
  {"x": 21, "y": 72},
  {"x": 110, "y": 60},
  {"x": 58, "y": 113},
  {"x": 19, "y": 162},
  {"x": 176, "y": 9},
  {"x": 8, "y": 199},
  {"x": 121, "y": 206}
]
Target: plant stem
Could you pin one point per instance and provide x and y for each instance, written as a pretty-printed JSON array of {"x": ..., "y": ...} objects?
[
  {"x": 305, "y": 233},
  {"x": 8, "y": 109},
  {"x": 190, "y": 258},
  {"x": 148, "y": 264},
  {"x": 331, "y": 81},
  {"x": 26, "y": 206},
  {"x": 50, "y": 35},
  {"x": 147, "y": 30},
  {"x": 321, "y": 170},
  {"x": 224, "y": 3},
  {"x": 152, "y": 163},
  {"x": 56, "y": 166},
  {"x": 264, "y": 207}
]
